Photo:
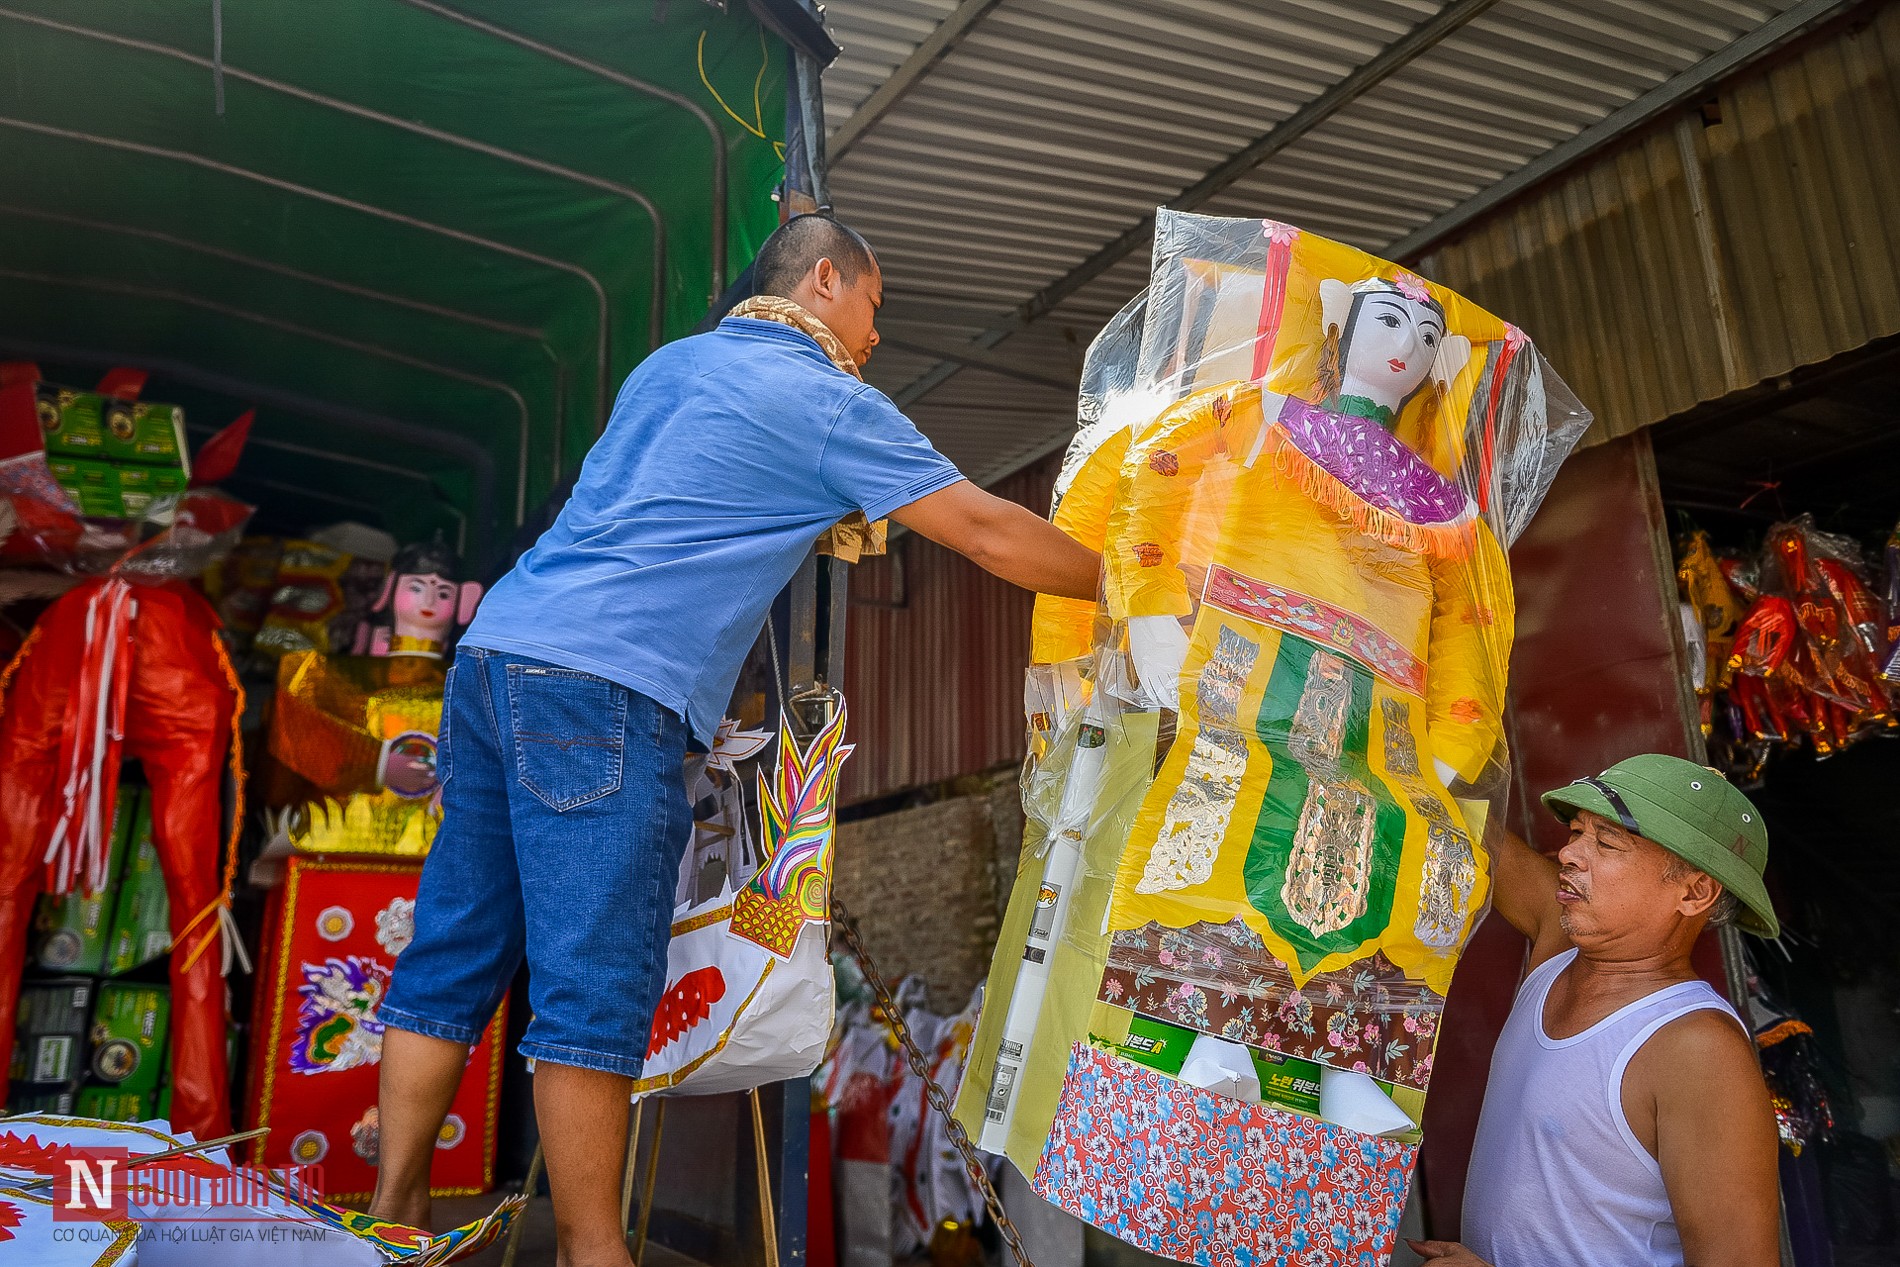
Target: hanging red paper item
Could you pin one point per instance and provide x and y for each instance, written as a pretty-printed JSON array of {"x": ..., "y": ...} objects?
[
  {"x": 116, "y": 669},
  {"x": 332, "y": 934},
  {"x": 1839, "y": 622}
]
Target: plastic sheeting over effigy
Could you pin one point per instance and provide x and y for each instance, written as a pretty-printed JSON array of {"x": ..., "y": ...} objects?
[{"x": 1263, "y": 763}]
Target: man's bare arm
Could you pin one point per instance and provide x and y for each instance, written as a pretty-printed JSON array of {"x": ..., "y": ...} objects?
[
  {"x": 1524, "y": 892},
  {"x": 1714, "y": 1138},
  {"x": 1005, "y": 539}
]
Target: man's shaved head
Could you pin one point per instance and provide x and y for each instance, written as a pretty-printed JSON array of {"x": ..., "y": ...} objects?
[{"x": 790, "y": 254}]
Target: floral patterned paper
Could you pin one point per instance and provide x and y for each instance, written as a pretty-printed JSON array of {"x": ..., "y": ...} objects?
[
  {"x": 1219, "y": 979},
  {"x": 1202, "y": 1178}
]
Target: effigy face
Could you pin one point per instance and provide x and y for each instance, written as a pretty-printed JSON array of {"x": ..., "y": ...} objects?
[{"x": 1263, "y": 763}]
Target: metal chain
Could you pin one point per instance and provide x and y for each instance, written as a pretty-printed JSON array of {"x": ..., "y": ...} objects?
[
  {"x": 920, "y": 1065},
  {"x": 894, "y": 1016}
]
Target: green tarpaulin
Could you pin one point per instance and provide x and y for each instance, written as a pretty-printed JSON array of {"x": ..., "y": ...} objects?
[{"x": 391, "y": 225}]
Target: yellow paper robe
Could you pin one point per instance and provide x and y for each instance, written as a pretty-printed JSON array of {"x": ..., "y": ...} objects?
[
  {"x": 1337, "y": 652},
  {"x": 337, "y": 720}
]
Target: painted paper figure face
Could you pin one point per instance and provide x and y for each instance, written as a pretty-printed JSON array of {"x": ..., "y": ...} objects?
[
  {"x": 1385, "y": 341},
  {"x": 425, "y": 606},
  {"x": 1390, "y": 347}
]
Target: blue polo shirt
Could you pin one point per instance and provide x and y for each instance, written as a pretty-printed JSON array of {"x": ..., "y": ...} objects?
[{"x": 726, "y": 455}]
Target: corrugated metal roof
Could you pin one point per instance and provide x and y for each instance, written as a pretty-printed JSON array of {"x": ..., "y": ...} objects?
[
  {"x": 1718, "y": 250},
  {"x": 876, "y": 36},
  {"x": 1052, "y": 127}
]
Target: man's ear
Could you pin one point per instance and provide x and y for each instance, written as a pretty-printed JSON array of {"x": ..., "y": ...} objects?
[
  {"x": 1700, "y": 891},
  {"x": 825, "y": 279},
  {"x": 468, "y": 596}
]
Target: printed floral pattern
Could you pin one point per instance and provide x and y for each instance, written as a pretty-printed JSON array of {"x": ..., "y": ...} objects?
[
  {"x": 1202, "y": 1178},
  {"x": 1374, "y": 463},
  {"x": 1318, "y": 622},
  {"x": 1220, "y": 979}
]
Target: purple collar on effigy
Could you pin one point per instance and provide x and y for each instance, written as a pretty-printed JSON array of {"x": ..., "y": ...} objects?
[{"x": 1373, "y": 463}]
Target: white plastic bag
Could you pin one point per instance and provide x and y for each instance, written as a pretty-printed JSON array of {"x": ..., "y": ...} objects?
[{"x": 749, "y": 989}]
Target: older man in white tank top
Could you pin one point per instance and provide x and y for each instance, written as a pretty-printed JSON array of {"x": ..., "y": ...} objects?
[{"x": 1625, "y": 1123}]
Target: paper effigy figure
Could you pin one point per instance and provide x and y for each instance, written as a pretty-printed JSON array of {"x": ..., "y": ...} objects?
[
  {"x": 1262, "y": 765},
  {"x": 361, "y": 729}
]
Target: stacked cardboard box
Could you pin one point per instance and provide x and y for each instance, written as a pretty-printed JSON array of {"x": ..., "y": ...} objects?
[
  {"x": 129, "y": 1025},
  {"x": 141, "y": 929},
  {"x": 116, "y": 457},
  {"x": 71, "y": 931},
  {"x": 49, "y": 1041},
  {"x": 92, "y": 1046}
]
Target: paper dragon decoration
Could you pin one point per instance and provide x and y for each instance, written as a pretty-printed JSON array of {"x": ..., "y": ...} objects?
[{"x": 799, "y": 808}]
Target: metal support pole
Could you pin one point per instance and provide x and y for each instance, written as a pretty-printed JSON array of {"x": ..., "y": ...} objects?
[
  {"x": 767, "y": 1223},
  {"x": 626, "y": 1169},
  {"x": 528, "y": 1186},
  {"x": 811, "y": 105},
  {"x": 646, "y": 1186}
]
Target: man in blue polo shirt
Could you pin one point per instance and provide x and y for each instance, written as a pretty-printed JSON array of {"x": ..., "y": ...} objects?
[{"x": 614, "y": 642}]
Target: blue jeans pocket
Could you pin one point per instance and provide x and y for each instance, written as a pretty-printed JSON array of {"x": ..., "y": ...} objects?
[
  {"x": 442, "y": 766},
  {"x": 569, "y": 734}
]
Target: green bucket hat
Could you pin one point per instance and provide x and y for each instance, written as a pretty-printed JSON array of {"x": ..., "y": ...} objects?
[{"x": 1691, "y": 811}]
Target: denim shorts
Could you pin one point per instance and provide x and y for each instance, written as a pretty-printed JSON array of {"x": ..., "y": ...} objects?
[{"x": 565, "y": 818}]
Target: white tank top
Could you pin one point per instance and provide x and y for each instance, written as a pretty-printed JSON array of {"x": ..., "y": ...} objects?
[{"x": 1557, "y": 1177}]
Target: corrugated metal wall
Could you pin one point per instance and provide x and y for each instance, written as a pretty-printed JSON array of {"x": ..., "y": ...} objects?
[
  {"x": 1719, "y": 248},
  {"x": 936, "y": 683}
]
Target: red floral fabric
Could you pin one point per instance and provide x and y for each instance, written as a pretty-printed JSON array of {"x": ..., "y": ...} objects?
[{"x": 1202, "y": 1178}]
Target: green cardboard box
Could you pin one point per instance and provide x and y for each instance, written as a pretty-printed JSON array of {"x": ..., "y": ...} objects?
[
  {"x": 1156, "y": 1044},
  {"x": 71, "y": 931},
  {"x": 147, "y": 433},
  {"x": 109, "y": 1104},
  {"x": 141, "y": 919},
  {"x": 72, "y": 423},
  {"x": 1287, "y": 1081},
  {"x": 49, "y": 1043},
  {"x": 80, "y": 424},
  {"x": 154, "y": 481},
  {"x": 128, "y": 1035},
  {"x": 114, "y": 490}
]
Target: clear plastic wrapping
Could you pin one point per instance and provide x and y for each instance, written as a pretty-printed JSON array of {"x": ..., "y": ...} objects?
[{"x": 1263, "y": 762}]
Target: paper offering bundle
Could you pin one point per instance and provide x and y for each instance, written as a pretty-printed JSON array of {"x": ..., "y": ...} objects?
[
  {"x": 78, "y": 1192},
  {"x": 748, "y": 996},
  {"x": 1262, "y": 764}
]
